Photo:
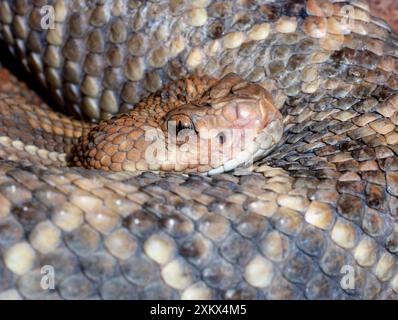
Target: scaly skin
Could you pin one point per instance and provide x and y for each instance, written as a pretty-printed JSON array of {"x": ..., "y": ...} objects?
[
  {"x": 386, "y": 9},
  {"x": 324, "y": 200}
]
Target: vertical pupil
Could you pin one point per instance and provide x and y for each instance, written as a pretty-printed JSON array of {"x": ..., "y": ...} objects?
[
  {"x": 221, "y": 138},
  {"x": 182, "y": 124},
  {"x": 179, "y": 126}
]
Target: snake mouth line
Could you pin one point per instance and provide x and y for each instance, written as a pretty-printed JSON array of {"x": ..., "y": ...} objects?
[{"x": 261, "y": 146}]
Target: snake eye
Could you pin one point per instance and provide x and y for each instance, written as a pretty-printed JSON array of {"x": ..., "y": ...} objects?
[
  {"x": 180, "y": 126},
  {"x": 180, "y": 122}
]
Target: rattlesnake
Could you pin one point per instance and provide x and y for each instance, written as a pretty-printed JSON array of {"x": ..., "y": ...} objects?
[{"x": 314, "y": 218}]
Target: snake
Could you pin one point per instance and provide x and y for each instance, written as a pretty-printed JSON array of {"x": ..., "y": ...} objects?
[{"x": 201, "y": 149}]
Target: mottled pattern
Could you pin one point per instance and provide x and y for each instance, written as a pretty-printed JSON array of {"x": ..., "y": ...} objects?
[
  {"x": 325, "y": 198},
  {"x": 386, "y": 9}
]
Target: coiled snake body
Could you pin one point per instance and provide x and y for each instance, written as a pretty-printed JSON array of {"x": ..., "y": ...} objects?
[{"x": 316, "y": 217}]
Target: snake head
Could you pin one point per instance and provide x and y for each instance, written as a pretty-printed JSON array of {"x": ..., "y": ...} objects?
[{"x": 230, "y": 124}]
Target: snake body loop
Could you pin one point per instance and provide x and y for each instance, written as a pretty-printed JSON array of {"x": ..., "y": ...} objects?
[{"x": 315, "y": 81}]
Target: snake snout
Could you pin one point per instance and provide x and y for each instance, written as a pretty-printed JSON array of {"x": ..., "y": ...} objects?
[
  {"x": 249, "y": 113},
  {"x": 242, "y": 113},
  {"x": 256, "y": 125},
  {"x": 245, "y": 104}
]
